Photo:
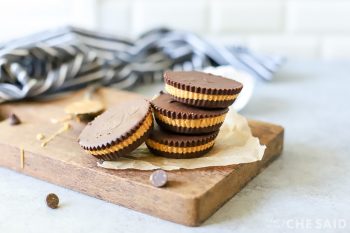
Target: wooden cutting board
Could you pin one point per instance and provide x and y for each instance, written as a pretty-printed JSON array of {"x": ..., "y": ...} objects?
[{"x": 190, "y": 197}]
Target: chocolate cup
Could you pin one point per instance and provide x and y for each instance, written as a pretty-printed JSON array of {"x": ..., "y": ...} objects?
[
  {"x": 126, "y": 150},
  {"x": 103, "y": 132},
  {"x": 190, "y": 131},
  {"x": 204, "y": 83},
  {"x": 180, "y": 156},
  {"x": 166, "y": 105}
]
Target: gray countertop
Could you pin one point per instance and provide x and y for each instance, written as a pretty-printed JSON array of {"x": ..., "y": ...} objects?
[{"x": 307, "y": 189}]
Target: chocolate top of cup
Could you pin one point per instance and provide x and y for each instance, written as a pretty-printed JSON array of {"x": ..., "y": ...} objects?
[
  {"x": 115, "y": 124},
  {"x": 202, "y": 82},
  {"x": 181, "y": 140},
  {"x": 167, "y": 106}
]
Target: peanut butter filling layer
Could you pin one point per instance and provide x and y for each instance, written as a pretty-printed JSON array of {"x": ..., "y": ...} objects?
[
  {"x": 123, "y": 144},
  {"x": 191, "y": 123},
  {"x": 178, "y": 150},
  {"x": 197, "y": 96}
]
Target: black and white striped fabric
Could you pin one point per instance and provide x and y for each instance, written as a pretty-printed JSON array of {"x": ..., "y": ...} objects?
[{"x": 70, "y": 58}]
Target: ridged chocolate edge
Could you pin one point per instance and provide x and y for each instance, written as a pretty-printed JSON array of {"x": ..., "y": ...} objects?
[
  {"x": 207, "y": 104},
  {"x": 126, "y": 150},
  {"x": 122, "y": 138},
  {"x": 209, "y": 137},
  {"x": 189, "y": 131},
  {"x": 178, "y": 155},
  {"x": 208, "y": 91},
  {"x": 183, "y": 115}
]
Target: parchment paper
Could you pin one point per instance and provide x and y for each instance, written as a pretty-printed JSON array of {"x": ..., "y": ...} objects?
[{"x": 234, "y": 145}]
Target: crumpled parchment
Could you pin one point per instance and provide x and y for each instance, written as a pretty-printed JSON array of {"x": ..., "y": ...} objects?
[{"x": 235, "y": 144}]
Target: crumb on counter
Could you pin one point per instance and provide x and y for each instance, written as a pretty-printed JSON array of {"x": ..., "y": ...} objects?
[
  {"x": 66, "y": 126},
  {"x": 62, "y": 120},
  {"x": 40, "y": 136}
]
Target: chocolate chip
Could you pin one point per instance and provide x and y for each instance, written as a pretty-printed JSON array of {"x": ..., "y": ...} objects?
[
  {"x": 161, "y": 92},
  {"x": 14, "y": 120},
  {"x": 159, "y": 178},
  {"x": 52, "y": 201}
]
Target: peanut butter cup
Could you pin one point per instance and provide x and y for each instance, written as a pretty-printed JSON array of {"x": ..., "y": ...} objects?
[
  {"x": 201, "y": 89},
  {"x": 179, "y": 146},
  {"x": 181, "y": 118},
  {"x": 119, "y": 130}
]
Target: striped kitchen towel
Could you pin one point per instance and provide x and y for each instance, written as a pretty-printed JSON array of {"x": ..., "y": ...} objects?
[{"x": 70, "y": 58}]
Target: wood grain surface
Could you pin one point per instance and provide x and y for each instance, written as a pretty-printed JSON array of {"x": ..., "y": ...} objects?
[{"x": 190, "y": 197}]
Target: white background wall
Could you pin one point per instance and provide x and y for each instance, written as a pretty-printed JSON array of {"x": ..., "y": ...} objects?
[{"x": 296, "y": 28}]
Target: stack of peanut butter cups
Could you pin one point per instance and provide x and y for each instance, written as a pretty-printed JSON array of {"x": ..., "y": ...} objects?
[{"x": 190, "y": 113}]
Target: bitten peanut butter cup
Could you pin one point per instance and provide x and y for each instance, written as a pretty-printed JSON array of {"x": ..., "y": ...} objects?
[
  {"x": 179, "y": 146},
  {"x": 119, "y": 130},
  {"x": 201, "y": 89},
  {"x": 181, "y": 118}
]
